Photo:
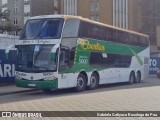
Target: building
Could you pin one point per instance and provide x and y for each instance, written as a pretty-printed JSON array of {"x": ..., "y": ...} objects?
[
  {"x": 150, "y": 21},
  {"x": 15, "y": 8},
  {"x": 21, "y": 10},
  {"x": 120, "y": 13},
  {"x": 158, "y": 36},
  {"x": 138, "y": 15},
  {"x": 69, "y": 7},
  {"x": 99, "y": 10},
  {"x": 146, "y": 19},
  {"x": 113, "y": 12},
  {"x": 41, "y": 7}
]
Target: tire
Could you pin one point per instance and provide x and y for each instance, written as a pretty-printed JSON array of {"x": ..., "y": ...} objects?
[
  {"x": 94, "y": 81},
  {"x": 47, "y": 91},
  {"x": 131, "y": 78},
  {"x": 81, "y": 83},
  {"x": 138, "y": 77}
]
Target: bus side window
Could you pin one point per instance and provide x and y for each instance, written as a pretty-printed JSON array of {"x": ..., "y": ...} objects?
[
  {"x": 72, "y": 55},
  {"x": 64, "y": 59},
  {"x": 71, "y": 28}
]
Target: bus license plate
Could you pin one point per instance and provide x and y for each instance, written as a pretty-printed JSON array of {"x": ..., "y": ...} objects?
[{"x": 31, "y": 85}]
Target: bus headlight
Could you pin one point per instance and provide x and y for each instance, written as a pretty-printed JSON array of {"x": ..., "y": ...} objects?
[{"x": 50, "y": 78}]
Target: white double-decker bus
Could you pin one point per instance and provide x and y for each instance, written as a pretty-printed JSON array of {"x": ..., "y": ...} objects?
[{"x": 59, "y": 51}]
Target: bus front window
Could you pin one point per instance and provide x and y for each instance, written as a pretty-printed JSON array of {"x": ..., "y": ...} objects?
[
  {"x": 37, "y": 58},
  {"x": 42, "y": 29}
]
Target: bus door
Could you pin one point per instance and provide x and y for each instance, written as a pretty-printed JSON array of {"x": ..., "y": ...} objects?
[{"x": 63, "y": 67}]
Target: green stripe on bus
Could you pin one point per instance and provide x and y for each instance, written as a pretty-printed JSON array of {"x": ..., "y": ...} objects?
[
  {"x": 137, "y": 57},
  {"x": 108, "y": 47}
]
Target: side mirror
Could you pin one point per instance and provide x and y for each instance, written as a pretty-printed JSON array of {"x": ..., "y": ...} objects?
[{"x": 53, "y": 51}]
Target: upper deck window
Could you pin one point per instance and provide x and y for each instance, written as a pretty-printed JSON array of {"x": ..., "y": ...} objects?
[
  {"x": 42, "y": 29},
  {"x": 71, "y": 28}
]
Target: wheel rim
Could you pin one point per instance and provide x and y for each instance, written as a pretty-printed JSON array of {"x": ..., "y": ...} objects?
[
  {"x": 80, "y": 82},
  {"x": 93, "y": 81}
]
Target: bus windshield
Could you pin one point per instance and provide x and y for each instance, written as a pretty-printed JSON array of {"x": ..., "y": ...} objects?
[
  {"x": 35, "y": 58},
  {"x": 42, "y": 29}
]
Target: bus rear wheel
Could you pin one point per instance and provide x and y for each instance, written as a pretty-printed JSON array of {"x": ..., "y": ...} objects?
[
  {"x": 81, "y": 83},
  {"x": 131, "y": 78},
  {"x": 93, "y": 81},
  {"x": 138, "y": 77}
]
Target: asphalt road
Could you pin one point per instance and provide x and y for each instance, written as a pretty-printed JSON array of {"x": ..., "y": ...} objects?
[{"x": 114, "y": 97}]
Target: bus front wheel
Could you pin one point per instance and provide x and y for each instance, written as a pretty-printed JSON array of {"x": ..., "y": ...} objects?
[
  {"x": 93, "y": 81},
  {"x": 81, "y": 83}
]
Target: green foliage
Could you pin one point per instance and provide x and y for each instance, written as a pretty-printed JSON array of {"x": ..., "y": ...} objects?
[
  {"x": 5, "y": 15},
  {"x": 7, "y": 26}
]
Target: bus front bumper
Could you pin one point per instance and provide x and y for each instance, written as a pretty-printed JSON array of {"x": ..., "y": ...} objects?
[{"x": 40, "y": 84}]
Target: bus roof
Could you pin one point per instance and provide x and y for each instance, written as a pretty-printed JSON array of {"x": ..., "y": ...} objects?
[
  {"x": 103, "y": 24},
  {"x": 49, "y": 16},
  {"x": 87, "y": 20}
]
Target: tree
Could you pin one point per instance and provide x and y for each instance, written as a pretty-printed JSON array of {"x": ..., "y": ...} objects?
[
  {"x": 7, "y": 26},
  {"x": 5, "y": 15},
  {"x": 5, "y": 21}
]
